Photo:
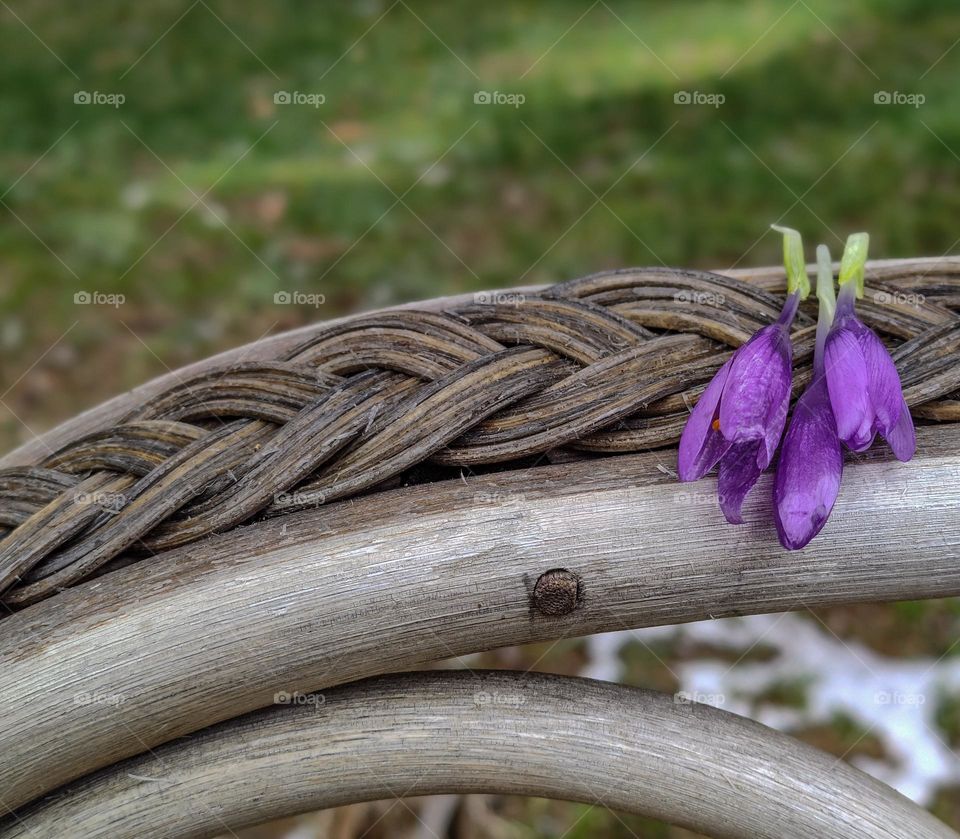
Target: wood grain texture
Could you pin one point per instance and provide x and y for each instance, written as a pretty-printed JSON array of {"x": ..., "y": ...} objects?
[
  {"x": 212, "y": 630},
  {"x": 485, "y": 732},
  {"x": 409, "y": 396},
  {"x": 768, "y": 278}
]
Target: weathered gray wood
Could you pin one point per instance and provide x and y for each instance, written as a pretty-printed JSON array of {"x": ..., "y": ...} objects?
[
  {"x": 440, "y": 732},
  {"x": 148, "y": 653},
  {"x": 272, "y": 346}
]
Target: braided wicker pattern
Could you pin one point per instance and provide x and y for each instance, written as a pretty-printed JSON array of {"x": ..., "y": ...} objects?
[{"x": 602, "y": 365}]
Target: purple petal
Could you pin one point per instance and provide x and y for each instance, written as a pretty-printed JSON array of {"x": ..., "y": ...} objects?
[
  {"x": 883, "y": 382},
  {"x": 737, "y": 474},
  {"x": 809, "y": 472},
  {"x": 775, "y": 423},
  {"x": 758, "y": 383},
  {"x": 701, "y": 444},
  {"x": 845, "y": 304},
  {"x": 902, "y": 438},
  {"x": 847, "y": 384}
]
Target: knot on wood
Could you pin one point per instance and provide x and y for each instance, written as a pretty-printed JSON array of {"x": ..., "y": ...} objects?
[{"x": 557, "y": 592}]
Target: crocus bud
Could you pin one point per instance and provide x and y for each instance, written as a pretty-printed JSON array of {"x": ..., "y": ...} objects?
[
  {"x": 862, "y": 381},
  {"x": 811, "y": 459},
  {"x": 740, "y": 416},
  {"x": 809, "y": 471}
]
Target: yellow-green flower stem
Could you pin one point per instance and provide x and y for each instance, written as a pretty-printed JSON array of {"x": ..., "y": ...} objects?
[
  {"x": 825, "y": 292},
  {"x": 793, "y": 261},
  {"x": 828, "y": 304},
  {"x": 853, "y": 261}
]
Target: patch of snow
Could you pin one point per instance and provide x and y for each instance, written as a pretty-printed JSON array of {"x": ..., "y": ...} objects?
[{"x": 892, "y": 699}]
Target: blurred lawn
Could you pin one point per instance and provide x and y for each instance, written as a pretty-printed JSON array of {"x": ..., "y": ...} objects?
[
  {"x": 199, "y": 198},
  {"x": 299, "y": 198}
]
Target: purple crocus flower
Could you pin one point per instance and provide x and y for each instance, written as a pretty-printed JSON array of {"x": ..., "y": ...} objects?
[
  {"x": 810, "y": 469},
  {"x": 811, "y": 459},
  {"x": 863, "y": 383},
  {"x": 855, "y": 393},
  {"x": 739, "y": 418}
]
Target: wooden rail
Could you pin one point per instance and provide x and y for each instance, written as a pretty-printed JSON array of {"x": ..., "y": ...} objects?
[
  {"x": 301, "y": 602},
  {"x": 165, "y": 647},
  {"x": 442, "y": 731}
]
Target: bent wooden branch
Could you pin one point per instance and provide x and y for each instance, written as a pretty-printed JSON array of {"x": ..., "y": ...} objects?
[
  {"x": 441, "y": 732},
  {"x": 908, "y": 274},
  {"x": 412, "y": 396},
  {"x": 172, "y": 644}
]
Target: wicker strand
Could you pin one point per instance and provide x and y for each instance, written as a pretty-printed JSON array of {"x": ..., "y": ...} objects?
[{"x": 606, "y": 364}]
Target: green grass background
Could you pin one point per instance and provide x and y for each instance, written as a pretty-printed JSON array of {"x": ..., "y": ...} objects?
[
  {"x": 292, "y": 188},
  {"x": 297, "y": 198}
]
